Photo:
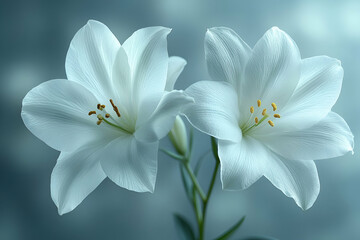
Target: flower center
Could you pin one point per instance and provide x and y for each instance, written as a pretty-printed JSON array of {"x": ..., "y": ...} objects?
[
  {"x": 264, "y": 116},
  {"x": 106, "y": 117}
]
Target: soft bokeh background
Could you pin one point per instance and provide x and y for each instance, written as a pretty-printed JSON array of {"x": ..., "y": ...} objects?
[{"x": 34, "y": 39}]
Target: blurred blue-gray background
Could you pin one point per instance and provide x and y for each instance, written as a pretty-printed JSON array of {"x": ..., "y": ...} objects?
[{"x": 34, "y": 39}]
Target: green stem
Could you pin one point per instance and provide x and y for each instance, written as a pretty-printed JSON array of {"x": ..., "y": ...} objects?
[
  {"x": 205, "y": 202},
  {"x": 194, "y": 180}
]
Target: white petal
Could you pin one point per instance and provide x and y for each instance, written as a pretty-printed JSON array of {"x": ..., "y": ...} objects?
[
  {"x": 121, "y": 78},
  {"x": 296, "y": 179},
  {"x": 226, "y": 55},
  {"x": 90, "y": 58},
  {"x": 331, "y": 137},
  {"x": 148, "y": 59},
  {"x": 175, "y": 67},
  {"x": 162, "y": 119},
  {"x": 272, "y": 72},
  {"x": 75, "y": 176},
  {"x": 215, "y": 111},
  {"x": 57, "y": 112},
  {"x": 242, "y": 163},
  {"x": 131, "y": 164},
  {"x": 317, "y": 92}
]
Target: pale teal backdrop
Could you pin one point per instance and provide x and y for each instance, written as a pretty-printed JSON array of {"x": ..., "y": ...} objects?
[{"x": 34, "y": 39}]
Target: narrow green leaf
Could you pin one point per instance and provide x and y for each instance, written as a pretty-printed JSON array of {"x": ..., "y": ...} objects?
[
  {"x": 232, "y": 230},
  {"x": 185, "y": 230}
]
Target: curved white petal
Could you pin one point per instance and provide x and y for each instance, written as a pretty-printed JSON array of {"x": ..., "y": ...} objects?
[
  {"x": 242, "y": 163},
  {"x": 215, "y": 111},
  {"x": 272, "y": 72},
  {"x": 175, "y": 67},
  {"x": 131, "y": 164},
  {"x": 121, "y": 78},
  {"x": 147, "y": 54},
  {"x": 331, "y": 137},
  {"x": 57, "y": 112},
  {"x": 90, "y": 58},
  {"x": 316, "y": 93},
  {"x": 162, "y": 119},
  {"x": 296, "y": 179},
  {"x": 75, "y": 176},
  {"x": 226, "y": 55}
]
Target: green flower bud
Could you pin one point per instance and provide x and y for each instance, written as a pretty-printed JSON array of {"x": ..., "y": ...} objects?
[{"x": 178, "y": 136}]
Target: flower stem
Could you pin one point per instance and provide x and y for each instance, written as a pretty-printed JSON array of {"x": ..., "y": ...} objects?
[
  {"x": 194, "y": 180},
  {"x": 205, "y": 202}
]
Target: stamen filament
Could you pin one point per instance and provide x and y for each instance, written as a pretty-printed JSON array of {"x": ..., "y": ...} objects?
[
  {"x": 114, "y": 125},
  {"x": 257, "y": 123}
]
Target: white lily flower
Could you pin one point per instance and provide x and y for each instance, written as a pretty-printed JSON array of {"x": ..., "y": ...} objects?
[
  {"x": 270, "y": 111},
  {"x": 108, "y": 117}
]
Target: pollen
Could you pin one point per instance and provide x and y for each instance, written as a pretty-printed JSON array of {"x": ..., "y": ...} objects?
[
  {"x": 264, "y": 112},
  {"x": 274, "y": 106},
  {"x": 91, "y": 113},
  {"x": 107, "y": 115},
  {"x": 271, "y": 123},
  {"x": 98, "y": 106},
  {"x": 276, "y": 115},
  {"x": 252, "y": 109},
  {"x": 99, "y": 122},
  {"x": 259, "y": 103},
  {"x": 102, "y": 106},
  {"x": 256, "y": 120}
]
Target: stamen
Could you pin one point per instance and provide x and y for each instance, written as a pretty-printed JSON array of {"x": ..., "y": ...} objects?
[
  {"x": 99, "y": 122},
  {"x": 252, "y": 109},
  {"x": 271, "y": 123},
  {"x": 107, "y": 115},
  {"x": 274, "y": 106},
  {"x": 276, "y": 115},
  {"x": 102, "y": 106},
  {"x": 256, "y": 120},
  {"x": 259, "y": 103},
  {"x": 100, "y": 117},
  {"x": 115, "y": 108},
  {"x": 91, "y": 113},
  {"x": 99, "y": 106},
  {"x": 264, "y": 112}
]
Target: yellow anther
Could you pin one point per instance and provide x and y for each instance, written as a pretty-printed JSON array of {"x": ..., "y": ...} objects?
[
  {"x": 276, "y": 115},
  {"x": 274, "y": 106},
  {"x": 271, "y": 123},
  {"x": 256, "y": 120},
  {"x": 252, "y": 109},
  {"x": 98, "y": 122},
  {"x": 107, "y": 115},
  {"x": 259, "y": 103},
  {"x": 98, "y": 106},
  {"x": 264, "y": 112},
  {"x": 102, "y": 106},
  {"x": 91, "y": 113}
]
